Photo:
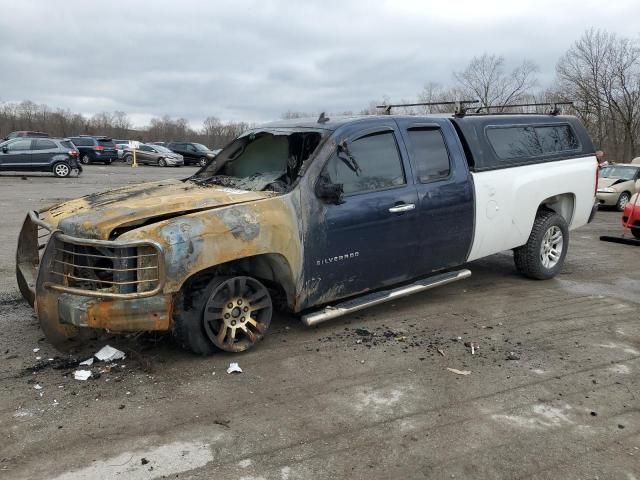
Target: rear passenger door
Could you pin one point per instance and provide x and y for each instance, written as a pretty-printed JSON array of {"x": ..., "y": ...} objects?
[
  {"x": 445, "y": 194},
  {"x": 16, "y": 155},
  {"x": 43, "y": 150}
]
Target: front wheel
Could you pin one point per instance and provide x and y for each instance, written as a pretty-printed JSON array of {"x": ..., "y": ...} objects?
[
  {"x": 542, "y": 257},
  {"x": 162, "y": 162},
  {"x": 61, "y": 170},
  {"x": 202, "y": 162},
  {"x": 230, "y": 313},
  {"x": 623, "y": 199},
  {"x": 85, "y": 159}
]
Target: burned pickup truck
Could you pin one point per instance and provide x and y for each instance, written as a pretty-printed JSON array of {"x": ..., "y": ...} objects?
[{"x": 320, "y": 218}]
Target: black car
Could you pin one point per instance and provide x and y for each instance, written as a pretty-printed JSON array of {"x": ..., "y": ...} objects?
[
  {"x": 95, "y": 149},
  {"x": 193, "y": 153},
  {"x": 39, "y": 155}
]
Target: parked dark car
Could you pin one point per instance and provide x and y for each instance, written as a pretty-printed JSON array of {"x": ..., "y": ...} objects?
[
  {"x": 193, "y": 153},
  {"x": 154, "y": 155},
  {"x": 95, "y": 149},
  {"x": 26, "y": 133},
  {"x": 39, "y": 155}
]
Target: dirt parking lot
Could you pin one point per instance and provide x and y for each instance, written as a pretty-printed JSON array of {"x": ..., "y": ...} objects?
[{"x": 553, "y": 390}]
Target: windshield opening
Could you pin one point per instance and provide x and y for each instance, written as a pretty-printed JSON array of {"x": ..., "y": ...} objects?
[
  {"x": 262, "y": 160},
  {"x": 622, "y": 173}
]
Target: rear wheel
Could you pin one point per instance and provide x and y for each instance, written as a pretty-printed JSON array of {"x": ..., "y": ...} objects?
[
  {"x": 162, "y": 162},
  {"x": 542, "y": 257},
  {"x": 61, "y": 170},
  {"x": 85, "y": 159},
  {"x": 622, "y": 201},
  {"x": 230, "y": 313}
]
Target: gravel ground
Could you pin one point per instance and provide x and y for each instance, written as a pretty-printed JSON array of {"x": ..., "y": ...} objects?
[{"x": 553, "y": 391}]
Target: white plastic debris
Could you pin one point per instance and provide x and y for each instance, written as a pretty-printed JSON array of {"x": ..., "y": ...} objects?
[
  {"x": 459, "y": 372},
  {"x": 82, "y": 374},
  {"x": 109, "y": 354},
  {"x": 36, "y": 350},
  {"x": 234, "y": 368},
  {"x": 37, "y": 386},
  {"x": 38, "y": 358},
  {"x": 88, "y": 362}
]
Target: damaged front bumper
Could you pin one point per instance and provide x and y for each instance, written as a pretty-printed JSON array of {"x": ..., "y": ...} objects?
[{"x": 76, "y": 282}]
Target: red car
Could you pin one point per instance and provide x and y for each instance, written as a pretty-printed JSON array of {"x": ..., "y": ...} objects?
[{"x": 631, "y": 215}]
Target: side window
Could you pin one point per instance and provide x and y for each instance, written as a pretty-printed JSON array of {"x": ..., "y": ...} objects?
[
  {"x": 371, "y": 163},
  {"x": 81, "y": 142},
  {"x": 430, "y": 153},
  {"x": 190, "y": 148},
  {"x": 514, "y": 142},
  {"x": 557, "y": 138},
  {"x": 20, "y": 145},
  {"x": 42, "y": 144}
]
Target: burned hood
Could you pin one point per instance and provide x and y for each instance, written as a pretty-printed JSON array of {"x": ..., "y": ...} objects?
[{"x": 101, "y": 214}]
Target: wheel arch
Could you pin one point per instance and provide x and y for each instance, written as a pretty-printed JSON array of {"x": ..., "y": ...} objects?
[
  {"x": 563, "y": 204},
  {"x": 272, "y": 269}
]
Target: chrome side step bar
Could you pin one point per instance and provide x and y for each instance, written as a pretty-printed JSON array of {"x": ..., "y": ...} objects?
[{"x": 359, "y": 303}]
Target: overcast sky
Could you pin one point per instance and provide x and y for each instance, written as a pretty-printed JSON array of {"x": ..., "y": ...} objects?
[{"x": 253, "y": 60}]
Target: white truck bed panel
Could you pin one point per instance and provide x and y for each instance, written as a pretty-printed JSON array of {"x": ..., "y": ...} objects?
[{"x": 507, "y": 200}]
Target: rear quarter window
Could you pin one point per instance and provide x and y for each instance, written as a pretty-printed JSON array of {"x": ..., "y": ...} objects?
[
  {"x": 532, "y": 142},
  {"x": 66, "y": 144},
  {"x": 83, "y": 142}
]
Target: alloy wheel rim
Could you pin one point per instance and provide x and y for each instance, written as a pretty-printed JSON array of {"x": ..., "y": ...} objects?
[
  {"x": 624, "y": 199},
  {"x": 551, "y": 247},
  {"x": 237, "y": 314},
  {"x": 85, "y": 159},
  {"x": 62, "y": 170}
]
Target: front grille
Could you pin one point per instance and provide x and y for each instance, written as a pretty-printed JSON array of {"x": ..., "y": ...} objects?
[
  {"x": 44, "y": 234},
  {"x": 105, "y": 267}
]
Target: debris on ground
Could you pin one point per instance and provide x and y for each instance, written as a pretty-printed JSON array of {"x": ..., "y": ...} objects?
[
  {"x": 363, "y": 332},
  {"x": 144, "y": 461},
  {"x": 88, "y": 362},
  {"x": 513, "y": 356},
  {"x": 441, "y": 352},
  {"x": 37, "y": 386},
  {"x": 459, "y": 372},
  {"x": 82, "y": 374},
  {"x": 36, "y": 350},
  {"x": 234, "y": 368},
  {"x": 224, "y": 423},
  {"x": 109, "y": 354},
  {"x": 474, "y": 346},
  {"x": 456, "y": 339}
]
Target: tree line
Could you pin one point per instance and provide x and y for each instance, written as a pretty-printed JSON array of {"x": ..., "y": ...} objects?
[
  {"x": 599, "y": 73},
  {"x": 28, "y": 115}
]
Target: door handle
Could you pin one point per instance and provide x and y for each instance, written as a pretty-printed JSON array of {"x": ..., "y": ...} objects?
[{"x": 405, "y": 207}]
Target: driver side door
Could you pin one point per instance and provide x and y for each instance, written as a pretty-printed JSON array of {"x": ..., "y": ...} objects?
[
  {"x": 369, "y": 241},
  {"x": 16, "y": 154}
]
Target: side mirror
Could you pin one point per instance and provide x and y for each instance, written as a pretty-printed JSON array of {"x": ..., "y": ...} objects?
[{"x": 329, "y": 192}]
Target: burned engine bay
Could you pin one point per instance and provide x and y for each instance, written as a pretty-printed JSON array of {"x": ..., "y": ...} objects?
[{"x": 266, "y": 159}]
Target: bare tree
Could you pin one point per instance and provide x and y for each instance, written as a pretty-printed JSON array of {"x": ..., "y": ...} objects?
[
  {"x": 485, "y": 79},
  {"x": 601, "y": 74}
]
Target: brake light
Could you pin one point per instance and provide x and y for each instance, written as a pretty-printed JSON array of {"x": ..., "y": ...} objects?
[
  {"x": 99, "y": 148},
  {"x": 73, "y": 153}
]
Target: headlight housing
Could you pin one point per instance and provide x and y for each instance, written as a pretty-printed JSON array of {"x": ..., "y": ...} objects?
[{"x": 606, "y": 190}]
